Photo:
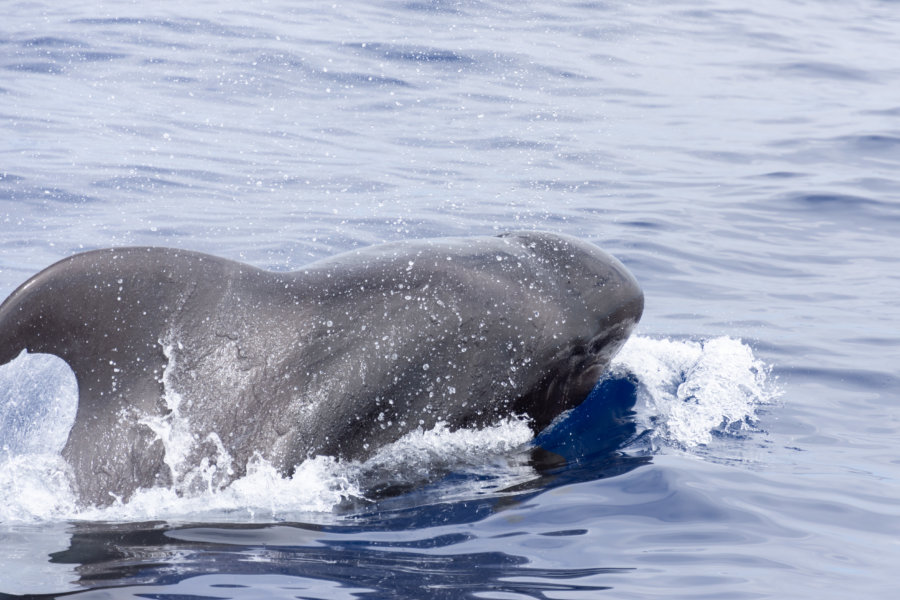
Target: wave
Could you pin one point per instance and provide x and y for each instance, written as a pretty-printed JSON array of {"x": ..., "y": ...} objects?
[
  {"x": 660, "y": 395},
  {"x": 693, "y": 391}
]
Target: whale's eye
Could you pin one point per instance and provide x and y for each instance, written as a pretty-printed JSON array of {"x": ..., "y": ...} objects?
[{"x": 599, "y": 343}]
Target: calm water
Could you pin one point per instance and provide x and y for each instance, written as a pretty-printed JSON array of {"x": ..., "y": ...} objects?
[{"x": 743, "y": 162}]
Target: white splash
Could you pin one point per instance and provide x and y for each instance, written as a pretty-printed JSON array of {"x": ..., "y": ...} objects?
[
  {"x": 34, "y": 487},
  {"x": 175, "y": 432},
  {"x": 442, "y": 447},
  {"x": 688, "y": 392},
  {"x": 38, "y": 400},
  {"x": 691, "y": 390},
  {"x": 317, "y": 486},
  {"x": 321, "y": 483}
]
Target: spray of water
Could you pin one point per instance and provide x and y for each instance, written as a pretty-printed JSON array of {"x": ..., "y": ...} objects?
[{"x": 689, "y": 392}]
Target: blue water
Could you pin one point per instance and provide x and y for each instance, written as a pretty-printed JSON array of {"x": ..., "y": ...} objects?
[{"x": 742, "y": 160}]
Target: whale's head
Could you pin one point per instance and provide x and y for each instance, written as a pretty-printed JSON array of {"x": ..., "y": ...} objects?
[{"x": 588, "y": 304}]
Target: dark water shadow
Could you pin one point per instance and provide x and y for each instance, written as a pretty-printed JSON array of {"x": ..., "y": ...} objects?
[{"x": 598, "y": 439}]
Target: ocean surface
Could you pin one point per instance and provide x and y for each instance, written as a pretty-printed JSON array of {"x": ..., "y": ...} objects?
[{"x": 743, "y": 160}]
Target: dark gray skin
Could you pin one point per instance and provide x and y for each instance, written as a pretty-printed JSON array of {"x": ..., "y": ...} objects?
[{"x": 340, "y": 358}]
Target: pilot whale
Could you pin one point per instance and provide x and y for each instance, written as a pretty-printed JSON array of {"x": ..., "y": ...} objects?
[{"x": 339, "y": 358}]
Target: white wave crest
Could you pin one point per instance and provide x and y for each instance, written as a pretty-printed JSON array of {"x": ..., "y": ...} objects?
[{"x": 691, "y": 390}]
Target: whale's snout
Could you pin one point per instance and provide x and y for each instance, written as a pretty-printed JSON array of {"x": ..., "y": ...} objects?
[{"x": 600, "y": 303}]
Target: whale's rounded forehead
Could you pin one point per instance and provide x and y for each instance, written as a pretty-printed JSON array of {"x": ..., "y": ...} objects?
[
  {"x": 535, "y": 244},
  {"x": 552, "y": 256},
  {"x": 572, "y": 257},
  {"x": 556, "y": 246}
]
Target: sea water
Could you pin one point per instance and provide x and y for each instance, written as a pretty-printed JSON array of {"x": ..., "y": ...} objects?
[{"x": 742, "y": 161}]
